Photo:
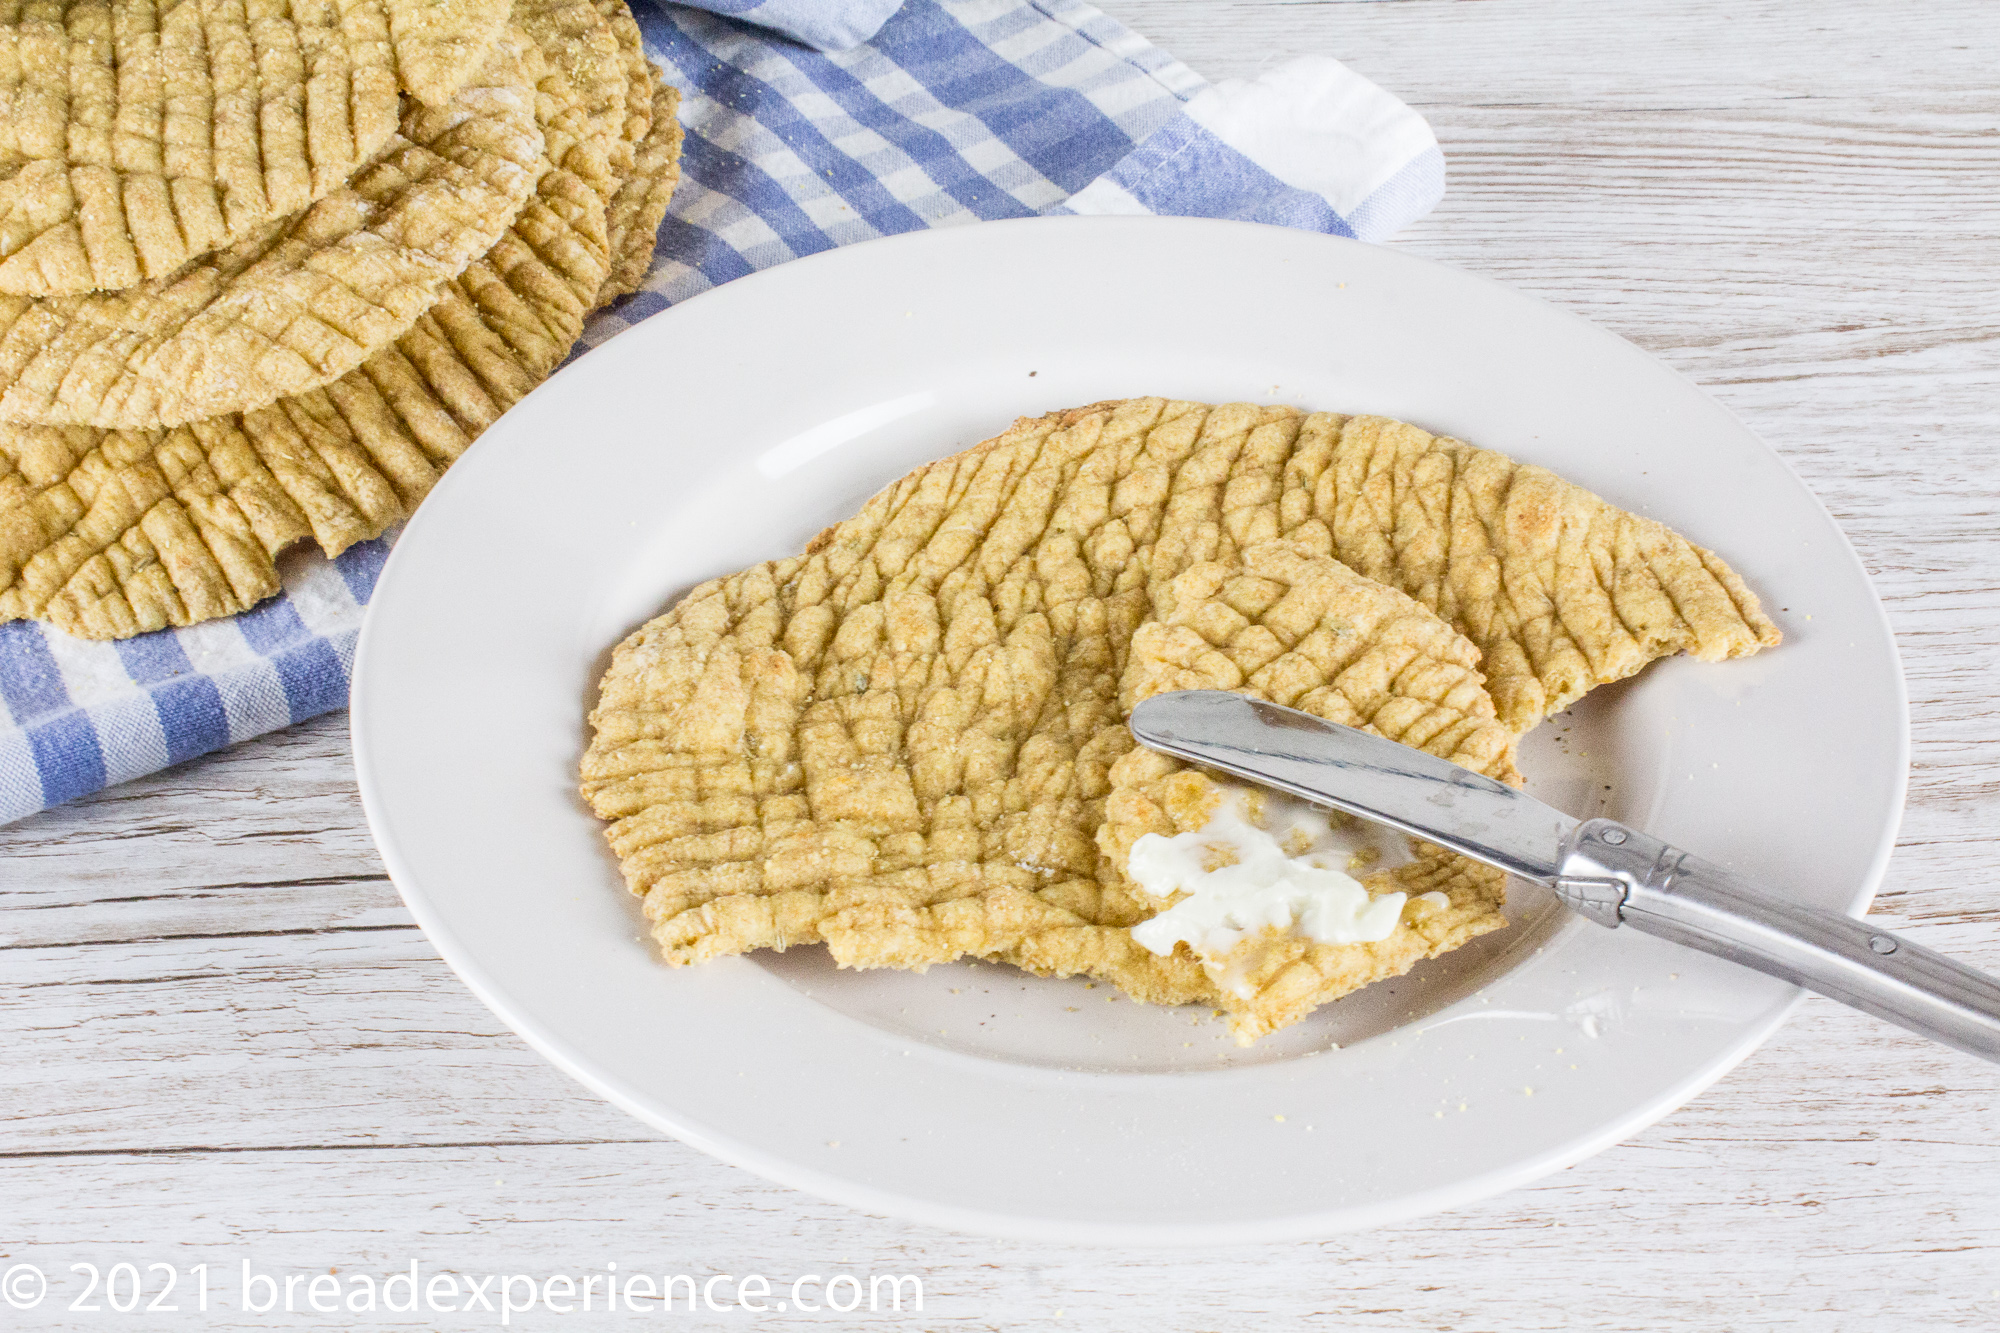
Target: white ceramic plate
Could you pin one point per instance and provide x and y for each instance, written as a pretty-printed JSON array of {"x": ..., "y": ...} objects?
[{"x": 731, "y": 428}]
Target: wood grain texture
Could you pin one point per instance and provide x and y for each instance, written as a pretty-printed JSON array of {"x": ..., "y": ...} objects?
[{"x": 225, "y": 1038}]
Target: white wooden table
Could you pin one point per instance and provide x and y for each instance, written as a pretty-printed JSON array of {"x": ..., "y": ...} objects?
[{"x": 225, "y": 1040}]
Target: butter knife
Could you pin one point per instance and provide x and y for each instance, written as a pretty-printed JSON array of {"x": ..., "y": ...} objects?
[{"x": 1612, "y": 874}]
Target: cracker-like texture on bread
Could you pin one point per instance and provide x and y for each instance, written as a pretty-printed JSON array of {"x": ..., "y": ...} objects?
[
  {"x": 142, "y": 135},
  {"x": 641, "y": 202},
  {"x": 302, "y": 301},
  {"x": 646, "y": 159},
  {"x": 106, "y": 534},
  {"x": 147, "y": 133},
  {"x": 903, "y": 741},
  {"x": 1561, "y": 591},
  {"x": 582, "y": 47},
  {"x": 439, "y": 45},
  {"x": 1305, "y": 631},
  {"x": 640, "y": 76}
]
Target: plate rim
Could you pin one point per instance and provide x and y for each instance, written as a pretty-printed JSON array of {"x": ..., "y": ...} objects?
[{"x": 605, "y": 1083}]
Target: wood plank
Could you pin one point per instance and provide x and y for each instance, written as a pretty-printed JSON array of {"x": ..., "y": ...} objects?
[
  {"x": 349, "y": 1036},
  {"x": 1662, "y": 54},
  {"x": 224, "y": 1039},
  {"x": 266, "y": 836},
  {"x": 365, "y": 1037},
  {"x": 1745, "y": 1210}
]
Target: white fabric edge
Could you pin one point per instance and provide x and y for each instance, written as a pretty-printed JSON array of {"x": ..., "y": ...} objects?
[
  {"x": 1317, "y": 125},
  {"x": 1104, "y": 196}
]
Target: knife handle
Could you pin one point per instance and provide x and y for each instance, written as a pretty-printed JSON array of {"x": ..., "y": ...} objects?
[{"x": 1618, "y": 875}]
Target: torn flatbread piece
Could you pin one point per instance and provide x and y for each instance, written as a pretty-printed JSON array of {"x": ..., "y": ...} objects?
[
  {"x": 303, "y": 301},
  {"x": 1309, "y": 633},
  {"x": 904, "y": 741}
]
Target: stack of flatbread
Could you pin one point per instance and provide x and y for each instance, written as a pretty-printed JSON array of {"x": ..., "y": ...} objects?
[{"x": 265, "y": 272}]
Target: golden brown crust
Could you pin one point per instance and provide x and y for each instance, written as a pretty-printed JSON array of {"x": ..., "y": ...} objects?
[
  {"x": 302, "y": 301},
  {"x": 1307, "y": 632},
  {"x": 106, "y": 534},
  {"x": 640, "y": 77},
  {"x": 648, "y": 168},
  {"x": 1560, "y": 590},
  {"x": 144, "y": 134},
  {"x": 903, "y": 742},
  {"x": 440, "y": 44},
  {"x": 582, "y": 54},
  {"x": 641, "y": 202},
  {"x": 140, "y": 137}
]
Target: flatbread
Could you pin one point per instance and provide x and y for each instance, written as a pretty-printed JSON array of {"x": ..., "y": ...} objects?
[
  {"x": 640, "y": 76},
  {"x": 648, "y": 169},
  {"x": 139, "y": 135},
  {"x": 134, "y": 140},
  {"x": 441, "y": 44},
  {"x": 1305, "y": 631},
  {"x": 582, "y": 48},
  {"x": 107, "y": 534},
  {"x": 1560, "y": 591},
  {"x": 303, "y": 301},
  {"x": 642, "y": 199},
  {"x": 903, "y": 742}
]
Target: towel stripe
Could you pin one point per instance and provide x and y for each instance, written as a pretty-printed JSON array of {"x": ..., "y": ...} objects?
[
  {"x": 953, "y": 112},
  {"x": 189, "y": 704}
]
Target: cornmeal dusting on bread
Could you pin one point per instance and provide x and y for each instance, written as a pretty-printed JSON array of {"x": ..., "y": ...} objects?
[
  {"x": 106, "y": 534},
  {"x": 300, "y": 301},
  {"x": 910, "y": 742},
  {"x": 254, "y": 113},
  {"x": 110, "y": 533}
]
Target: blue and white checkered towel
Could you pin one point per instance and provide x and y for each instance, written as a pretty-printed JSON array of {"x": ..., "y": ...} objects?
[{"x": 810, "y": 124}]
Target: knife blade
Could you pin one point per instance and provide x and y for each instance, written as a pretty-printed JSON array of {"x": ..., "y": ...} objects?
[
  {"x": 1613, "y": 874},
  {"x": 1360, "y": 773}
]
